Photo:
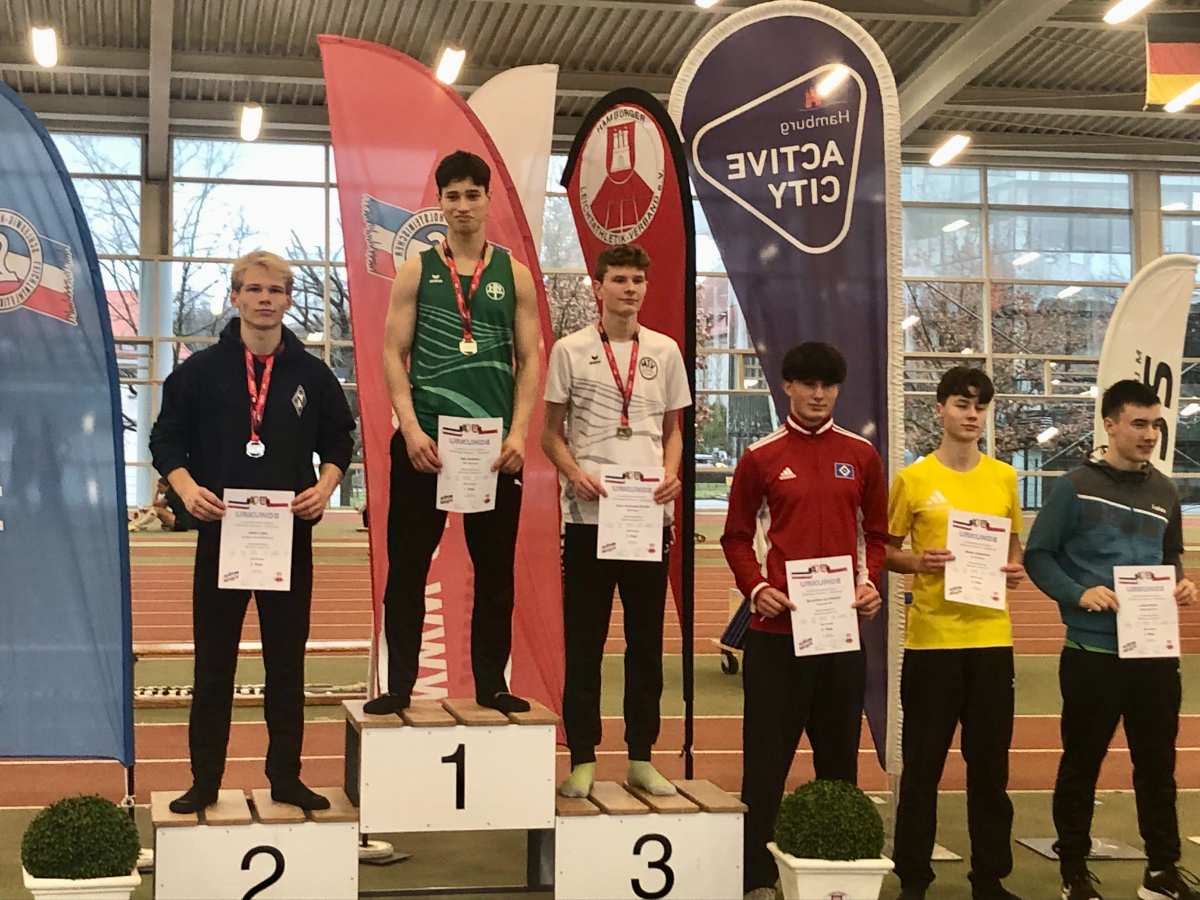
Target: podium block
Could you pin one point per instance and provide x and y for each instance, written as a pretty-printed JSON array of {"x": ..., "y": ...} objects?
[
  {"x": 621, "y": 842},
  {"x": 264, "y": 849},
  {"x": 450, "y": 766}
]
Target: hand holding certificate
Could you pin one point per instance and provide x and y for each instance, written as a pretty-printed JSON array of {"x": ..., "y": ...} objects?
[
  {"x": 980, "y": 546},
  {"x": 1147, "y": 617},
  {"x": 467, "y": 449},
  {"x": 256, "y": 541},
  {"x": 631, "y": 522},
  {"x": 824, "y": 619}
]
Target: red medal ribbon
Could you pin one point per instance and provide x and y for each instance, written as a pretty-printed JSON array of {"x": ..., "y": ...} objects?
[
  {"x": 626, "y": 390},
  {"x": 258, "y": 396},
  {"x": 464, "y": 309}
]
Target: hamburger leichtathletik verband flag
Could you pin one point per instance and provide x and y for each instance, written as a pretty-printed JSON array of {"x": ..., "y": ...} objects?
[
  {"x": 66, "y": 659},
  {"x": 1172, "y": 56},
  {"x": 624, "y": 179},
  {"x": 801, "y": 188},
  {"x": 385, "y": 163}
]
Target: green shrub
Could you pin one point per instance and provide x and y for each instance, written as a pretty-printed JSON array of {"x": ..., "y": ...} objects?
[
  {"x": 80, "y": 837},
  {"x": 829, "y": 820}
]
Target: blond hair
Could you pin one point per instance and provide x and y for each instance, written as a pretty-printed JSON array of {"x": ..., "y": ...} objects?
[{"x": 276, "y": 266}]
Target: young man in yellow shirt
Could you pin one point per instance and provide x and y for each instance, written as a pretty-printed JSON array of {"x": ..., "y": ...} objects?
[{"x": 958, "y": 659}]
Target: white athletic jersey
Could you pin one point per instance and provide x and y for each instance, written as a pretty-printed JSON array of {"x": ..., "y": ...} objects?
[{"x": 581, "y": 377}]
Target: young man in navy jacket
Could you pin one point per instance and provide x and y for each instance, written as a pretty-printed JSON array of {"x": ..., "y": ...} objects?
[
  {"x": 826, "y": 494},
  {"x": 1115, "y": 511},
  {"x": 250, "y": 412}
]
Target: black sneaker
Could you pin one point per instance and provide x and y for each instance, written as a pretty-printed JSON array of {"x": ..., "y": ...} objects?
[
  {"x": 386, "y": 704},
  {"x": 1173, "y": 883},
  {"x": 197, "y": 797},
  {"x": 1081, "y": 886}
]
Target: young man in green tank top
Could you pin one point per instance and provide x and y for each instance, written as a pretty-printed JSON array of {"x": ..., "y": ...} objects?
[{"x": 466, "y": 350}]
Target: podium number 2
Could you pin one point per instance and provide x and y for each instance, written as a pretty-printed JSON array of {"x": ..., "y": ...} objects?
[
  {"x": 660, "y": 864},
  {"x": 459, "y": 759},
  {"x": 272, "y": 852}
]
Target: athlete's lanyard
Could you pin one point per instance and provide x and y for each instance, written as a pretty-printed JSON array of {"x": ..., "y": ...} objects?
[
  {"x": 258, "y": 401},
  {"x": 626, "y": 390},
  {"x": 467, "y": 345}
]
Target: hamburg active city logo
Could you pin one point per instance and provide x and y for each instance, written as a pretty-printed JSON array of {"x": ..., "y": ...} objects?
[
  {"x": 982, "y": 524},
  {"x": 621, "y": 175},
  {"x": 1144, "y": 575},
  {"x": 36, "y": 272}
]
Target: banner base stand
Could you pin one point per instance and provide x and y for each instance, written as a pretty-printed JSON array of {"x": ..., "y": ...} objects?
[
  {"x": 379, "y": 853},
  {"x": 1102, "y": 849}
]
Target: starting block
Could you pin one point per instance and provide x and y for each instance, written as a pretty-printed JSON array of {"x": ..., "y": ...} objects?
[
  {"x": 262, "y": 849},
  {"x": 621, "y": 842},
  {"x": 450, "y": 766}
]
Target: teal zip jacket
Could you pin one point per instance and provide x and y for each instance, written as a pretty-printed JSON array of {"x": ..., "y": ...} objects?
[{"x": 1097, "y": 517}]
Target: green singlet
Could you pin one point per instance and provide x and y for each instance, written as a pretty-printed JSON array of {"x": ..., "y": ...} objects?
[{"x": 445, "y": 381}]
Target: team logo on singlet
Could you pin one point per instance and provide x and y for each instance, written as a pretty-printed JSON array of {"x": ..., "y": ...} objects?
[
  {"x": 36, "y": 273},
  {"x": 621, "y": 175},
  {"x": 394, "y": 234},
  {"x": 494, "y": 290},
  {"x": 299, "y": 400},
  {"x": 648, "y": 367}
]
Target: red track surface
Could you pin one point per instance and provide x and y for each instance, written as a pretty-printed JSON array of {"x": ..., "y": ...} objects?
[{"x": 341, "y": 611}]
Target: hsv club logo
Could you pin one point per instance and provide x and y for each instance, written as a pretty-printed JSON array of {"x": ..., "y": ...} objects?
[
  {"x": 1144, "y": 575},
  {"x": 35, "y": 271},
  {"x": 621, "y": 175}
]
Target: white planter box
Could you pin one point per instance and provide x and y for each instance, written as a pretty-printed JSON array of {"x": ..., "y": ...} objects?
[
  {"x": 118, "y": 888},
  {"x": 824, "y": 879}
]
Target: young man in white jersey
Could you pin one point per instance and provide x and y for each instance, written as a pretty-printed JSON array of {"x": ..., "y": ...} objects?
[
  {"x": 617, "y": 387},
  {"x": 958, "y": 661}
]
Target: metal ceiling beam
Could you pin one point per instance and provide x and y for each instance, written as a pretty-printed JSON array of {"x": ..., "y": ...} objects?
[
  {"x": 1074, "y": 146},
  {"x": 162, "y": 26},
  {"x": 970, "y": 50},
  {"x": 1032, "y": 102}
]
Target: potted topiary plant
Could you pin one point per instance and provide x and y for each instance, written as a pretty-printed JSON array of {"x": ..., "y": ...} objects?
[
  {"x": 828, "y": 844},
  {"x": 81, "y": 848}
]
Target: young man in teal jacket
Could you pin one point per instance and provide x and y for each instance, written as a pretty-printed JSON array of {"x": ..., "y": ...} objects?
[{"x": 1116, "y": 511}]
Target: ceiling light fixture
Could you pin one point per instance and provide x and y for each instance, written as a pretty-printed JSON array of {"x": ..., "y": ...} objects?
[
  {"x": 1025, "y": 258},
  {"x": 450, "y": 65},
  {"x": 1190, "y": 410},
  {"x": 956, "y": 225},
  {"x": 1124, "y": 10},
  {"x": 1187, "y": 98},
  {"x": 1069, "y": 292},
  {"x": 833, "y": 80},
  {"x": 706, "y": 4},
  {"x": 1177, "y": 206},
  {"x": 1048, "y": 435},
  {"x": 45, "y": 46},
  {"x": 953, "y": 145},
  {"x": 252, "y": 119},
  {"x": 908, "y": 322}
]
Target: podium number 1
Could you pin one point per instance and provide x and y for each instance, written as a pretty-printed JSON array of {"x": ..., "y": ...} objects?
[
  {"x": 664, "y": 844},
  {"x": 459, "y": 759}
]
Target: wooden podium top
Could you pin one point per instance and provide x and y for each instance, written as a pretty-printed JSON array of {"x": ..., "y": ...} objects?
[
  {"x": 610, "y": 798},
  {"x": 231, "y": 809},
  {"x": 444, "y": 713}
]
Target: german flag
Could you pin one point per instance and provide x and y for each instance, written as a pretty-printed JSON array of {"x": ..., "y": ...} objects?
[{"x": 1172, "y": 56}]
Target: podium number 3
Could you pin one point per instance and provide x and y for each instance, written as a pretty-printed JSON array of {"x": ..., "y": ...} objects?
[
  {"x": 661, "y": 864},
  {"x": 272, "y": 852},
  {"x": 459, "y": 759}
]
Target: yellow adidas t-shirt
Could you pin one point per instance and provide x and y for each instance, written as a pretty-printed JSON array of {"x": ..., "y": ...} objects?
[{"x": 922, "y": 496}]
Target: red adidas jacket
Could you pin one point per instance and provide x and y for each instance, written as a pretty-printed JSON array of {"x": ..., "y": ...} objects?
[{"x": 826, "y": 496}]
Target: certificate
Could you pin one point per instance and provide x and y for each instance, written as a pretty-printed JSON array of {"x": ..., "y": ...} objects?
[
  {"x": 256, "y": 541},
  {"x": 1147, "y": 617},
  {"x": 631, "y": 522},
  {"x": 980, "y": 547},
  {"x": 822, "y": 590},
  {"x": 467, "y": 448}
]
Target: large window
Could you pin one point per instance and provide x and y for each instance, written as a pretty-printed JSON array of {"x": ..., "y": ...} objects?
[{"x": 1016, "y": 271}]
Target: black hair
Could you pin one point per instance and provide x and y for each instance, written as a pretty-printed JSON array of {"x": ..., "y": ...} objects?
[
  {"x": 1128, "y": 392},
  {"x": 621, "y": 256},
  {"x": 814, "y": 361},
  {"x": 459, "y": 166},
  {"x": 966, "y": 381}
]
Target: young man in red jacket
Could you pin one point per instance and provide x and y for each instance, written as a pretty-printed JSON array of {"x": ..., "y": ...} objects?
[{"x": 825, "y": 492}]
